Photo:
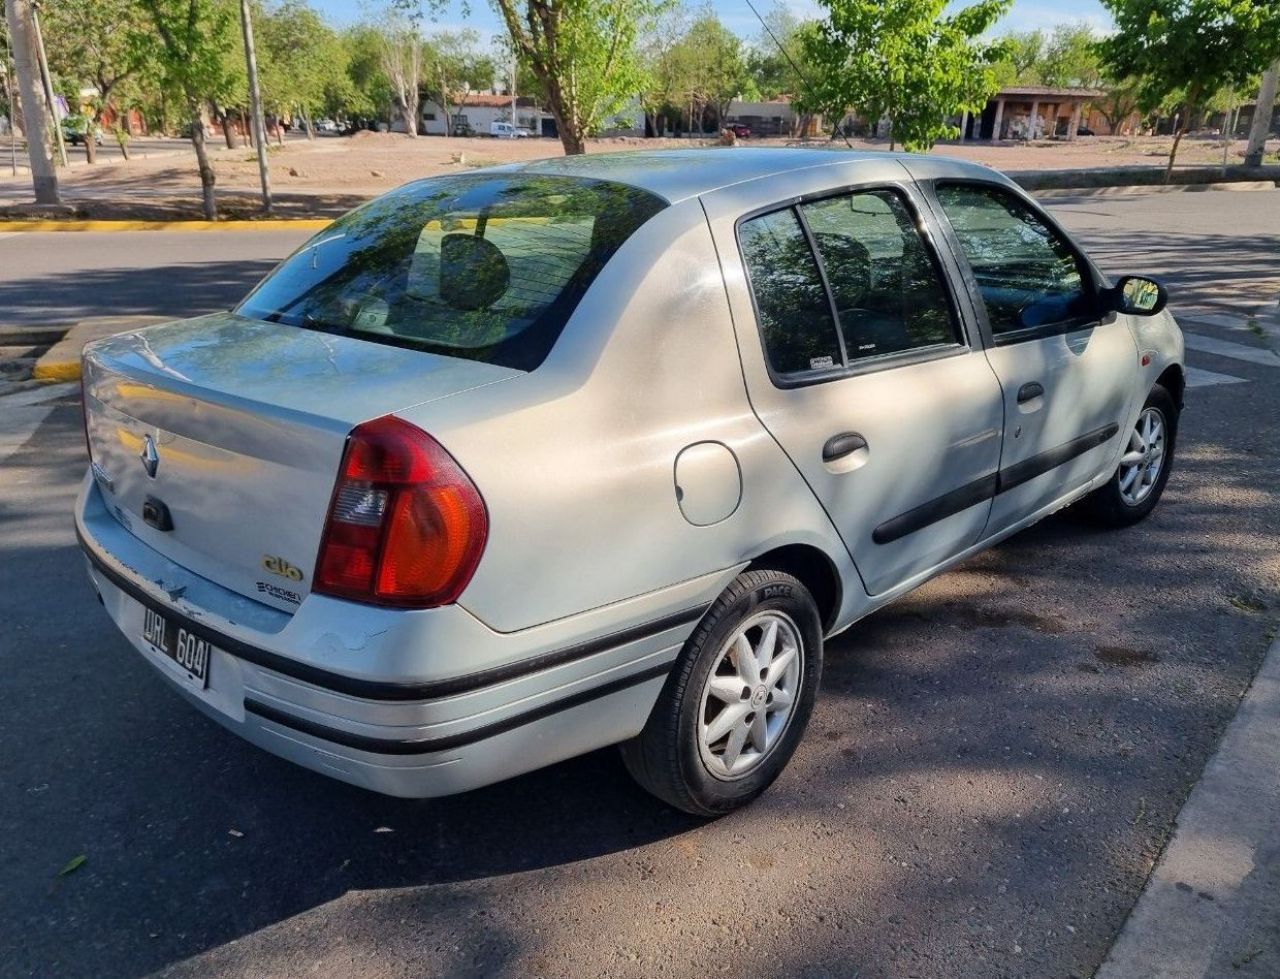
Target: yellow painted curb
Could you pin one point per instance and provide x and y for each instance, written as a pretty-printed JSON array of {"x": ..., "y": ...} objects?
[
  {"x": 58, "y": 370},
  {"x": 300, "y": 224}
]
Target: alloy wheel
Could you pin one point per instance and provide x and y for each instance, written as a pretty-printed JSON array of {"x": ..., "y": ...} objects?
[
  {"x": 1143, "y": 459},
  {"x": 750, "y": 694}
]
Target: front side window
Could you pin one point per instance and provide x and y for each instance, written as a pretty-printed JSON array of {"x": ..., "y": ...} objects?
[
  {"x": 486, "y": 267},
  {"x": 888, "y": 293},
  {"x": 1027, "y": 274},
  {"x": 794, "y": 311}
]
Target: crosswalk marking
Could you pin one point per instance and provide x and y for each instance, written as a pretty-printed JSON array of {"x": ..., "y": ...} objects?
[
  {"x": 1198, "y": 378},
  {"x": 1235, "y": 351}
]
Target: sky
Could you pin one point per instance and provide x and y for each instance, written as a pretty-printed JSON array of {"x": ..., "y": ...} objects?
[{"x": 737, "y": 16}]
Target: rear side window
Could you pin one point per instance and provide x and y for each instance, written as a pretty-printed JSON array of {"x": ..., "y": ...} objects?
[
  {"x": 887, "y": 290},
  {"x": 794, "y": 311},
  {"x": 485, "y": 267},
  {"x": 1028, "y": 274},
  {"x": 844, "y": 279}
]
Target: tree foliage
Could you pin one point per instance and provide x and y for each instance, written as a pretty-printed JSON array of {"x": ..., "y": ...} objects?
[
  {"x": 585, "y": 54},
  {"x": 905, "y": 61},
  {"x": 1184, "y": 51},
  {"x": 301, "y": 60},
  {"x": 188, "y": 41}
]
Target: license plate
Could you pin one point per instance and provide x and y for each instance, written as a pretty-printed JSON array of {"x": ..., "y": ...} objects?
[{"x": 190, "y": 653}]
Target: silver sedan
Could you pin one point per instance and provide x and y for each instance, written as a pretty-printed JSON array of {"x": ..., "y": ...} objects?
[{"x": 508, "y": 466}]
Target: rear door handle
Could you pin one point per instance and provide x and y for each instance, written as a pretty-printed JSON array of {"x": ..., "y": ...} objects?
[
  {"x": 839, "y": 446},
  {"x": 1029, "y": 392}
]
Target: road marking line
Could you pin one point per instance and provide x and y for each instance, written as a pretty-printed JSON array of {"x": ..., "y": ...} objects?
[
  {"x": 1236, "y": 351},
  {"x": 1198, "y": 378},
  {"x": 17, "y": 425},
  {"x": 35, "y": 396}
]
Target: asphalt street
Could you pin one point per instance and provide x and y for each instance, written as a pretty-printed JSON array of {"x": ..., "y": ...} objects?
[{"x": 992, "y": 768}]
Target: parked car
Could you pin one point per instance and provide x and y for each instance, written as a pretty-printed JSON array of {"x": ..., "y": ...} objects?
[
  {"x": 74, "y": 130},
  {"x": 511, "y": 465},
  {"x": 505, "y": 130},
  {"x": 739, "y": 129},
  {"x": 1085, "y": 131},
  {"x": 327, "y": 127}
]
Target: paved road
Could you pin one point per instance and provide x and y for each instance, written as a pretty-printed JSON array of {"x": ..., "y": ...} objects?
[{"x": 991, "y": 770}]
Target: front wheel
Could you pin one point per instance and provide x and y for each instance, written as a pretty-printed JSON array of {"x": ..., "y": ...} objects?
[
  {"x": 1139, "y": 480},
  {"x": 737, "y": 702}
]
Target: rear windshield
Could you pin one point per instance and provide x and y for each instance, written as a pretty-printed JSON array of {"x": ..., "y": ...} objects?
[{"x": 486, "y": 267}]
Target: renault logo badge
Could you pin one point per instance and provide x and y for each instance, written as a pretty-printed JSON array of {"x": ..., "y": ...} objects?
[{"x": 149, "y": 456}]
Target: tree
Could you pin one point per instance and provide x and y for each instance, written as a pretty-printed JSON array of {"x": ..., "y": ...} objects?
[
  {"x": 584, "y": 54},
  {"x": 367, "y": 89},
  {"x": 400, "y": 34},
  {"x": 905, "y": 61},
  {"x": 1070, "y": 58},
  {"x": 35, "y": 109},
  {"x": 1120, "y": 102},
  {"x": 454, "y": 67},
  {"x": 1024, "y": 56},
  {"x": 777, "y": 51},
  {"x": 302, "y": 60},
  {"x": 88, "y": 44},
  {"x": 709, "y": 67},
  {"x": 190, "y": 41},
  {"x": 1186, "y": 50}
]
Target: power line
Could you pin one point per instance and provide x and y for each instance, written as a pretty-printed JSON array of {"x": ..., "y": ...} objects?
[{"x": 794, "y": 67}]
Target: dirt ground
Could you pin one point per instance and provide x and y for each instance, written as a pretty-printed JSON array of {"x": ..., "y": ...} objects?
[{"x": 330, "y": 175}]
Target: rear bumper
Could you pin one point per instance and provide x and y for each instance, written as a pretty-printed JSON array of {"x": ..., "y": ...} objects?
[{"x": 362, "y": 694}]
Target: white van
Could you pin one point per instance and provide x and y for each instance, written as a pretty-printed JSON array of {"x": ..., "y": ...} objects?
[{"x": 505, "y": 130}]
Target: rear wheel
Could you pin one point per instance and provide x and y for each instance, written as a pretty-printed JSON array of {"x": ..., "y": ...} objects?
[
  {"x": 737, "y": 702},
  {"x": 1139, "y": 480}
]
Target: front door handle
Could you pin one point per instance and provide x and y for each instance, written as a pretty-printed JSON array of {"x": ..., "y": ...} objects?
[
  {"x": 1029, "y": 392},
  {"x": 844, "y": 444}
]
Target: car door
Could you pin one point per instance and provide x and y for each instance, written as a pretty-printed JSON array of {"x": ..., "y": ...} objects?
[
  {"x": 858, "y": 363},
  {"x": 1067, "y": 369}
]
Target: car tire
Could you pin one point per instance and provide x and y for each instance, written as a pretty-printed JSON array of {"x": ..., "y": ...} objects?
[
  {"x": 674, "y": 756},
  {"x": 1117, "y": 504}
]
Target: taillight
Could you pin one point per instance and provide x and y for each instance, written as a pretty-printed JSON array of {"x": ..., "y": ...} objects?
[{"x": 406, "y": 526}]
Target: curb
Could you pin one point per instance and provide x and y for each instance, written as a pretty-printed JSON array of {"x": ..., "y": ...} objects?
[
  {"x": 1186, "y": 921},
  {"x": 1052, "y": 193},
  {"x": 62, "y": 361},
  {"x": 276, "y": 224}
]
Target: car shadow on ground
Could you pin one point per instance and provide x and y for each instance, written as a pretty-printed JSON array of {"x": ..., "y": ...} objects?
[{"x": 180, "y": 290}]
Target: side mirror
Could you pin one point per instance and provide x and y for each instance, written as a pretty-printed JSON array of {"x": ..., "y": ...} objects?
[{"x": 1137, "y": 295}]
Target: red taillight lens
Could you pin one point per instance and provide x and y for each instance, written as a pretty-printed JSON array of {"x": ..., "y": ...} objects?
[{"x": 406, "y": 526}]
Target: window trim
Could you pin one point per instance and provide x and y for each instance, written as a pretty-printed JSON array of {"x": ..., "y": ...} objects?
[
  {"x": 1089, "y": 273},
  {"x": 962, "y": 344}
]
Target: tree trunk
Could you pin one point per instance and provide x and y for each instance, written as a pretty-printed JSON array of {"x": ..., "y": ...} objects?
[
  {"x": 1173, "y": 151},
  {"x": 230, "y": 134},
  {"x": 409, "y": 116},
  {"x": 1262, "y": 116},
  {"x": 306, "y": 122},
  {"x": 90, "y": 141},
  {"x": 207, "y": 178},
  {"x": 44, "y": 178}
]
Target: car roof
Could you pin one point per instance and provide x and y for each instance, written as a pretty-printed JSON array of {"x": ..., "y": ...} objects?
[{"x": 683, "y": 173}]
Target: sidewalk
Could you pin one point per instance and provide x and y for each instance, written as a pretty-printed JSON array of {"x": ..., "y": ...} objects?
[{"x": 1211, "y": 908}]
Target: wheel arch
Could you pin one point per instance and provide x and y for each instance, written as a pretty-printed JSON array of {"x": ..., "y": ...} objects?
[
  {"x": 815, "y": 570},
  {"x": 1174, "y": 380}
]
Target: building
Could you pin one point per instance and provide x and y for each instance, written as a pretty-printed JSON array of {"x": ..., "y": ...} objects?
[
  {"x": 475, "y": 113},
  {"x": 1030, "y": 112}
]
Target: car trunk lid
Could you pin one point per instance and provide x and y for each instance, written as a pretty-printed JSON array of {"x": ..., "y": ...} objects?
[{"x": 217, "y": 441}]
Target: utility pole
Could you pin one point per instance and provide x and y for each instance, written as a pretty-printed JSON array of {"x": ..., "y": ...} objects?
[
  {"x": 1262, "y": 116},
  {"x": 44, "y": 178},
  {"x": 255, "y": 106},
  {"x": 48, "y": 83}
]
